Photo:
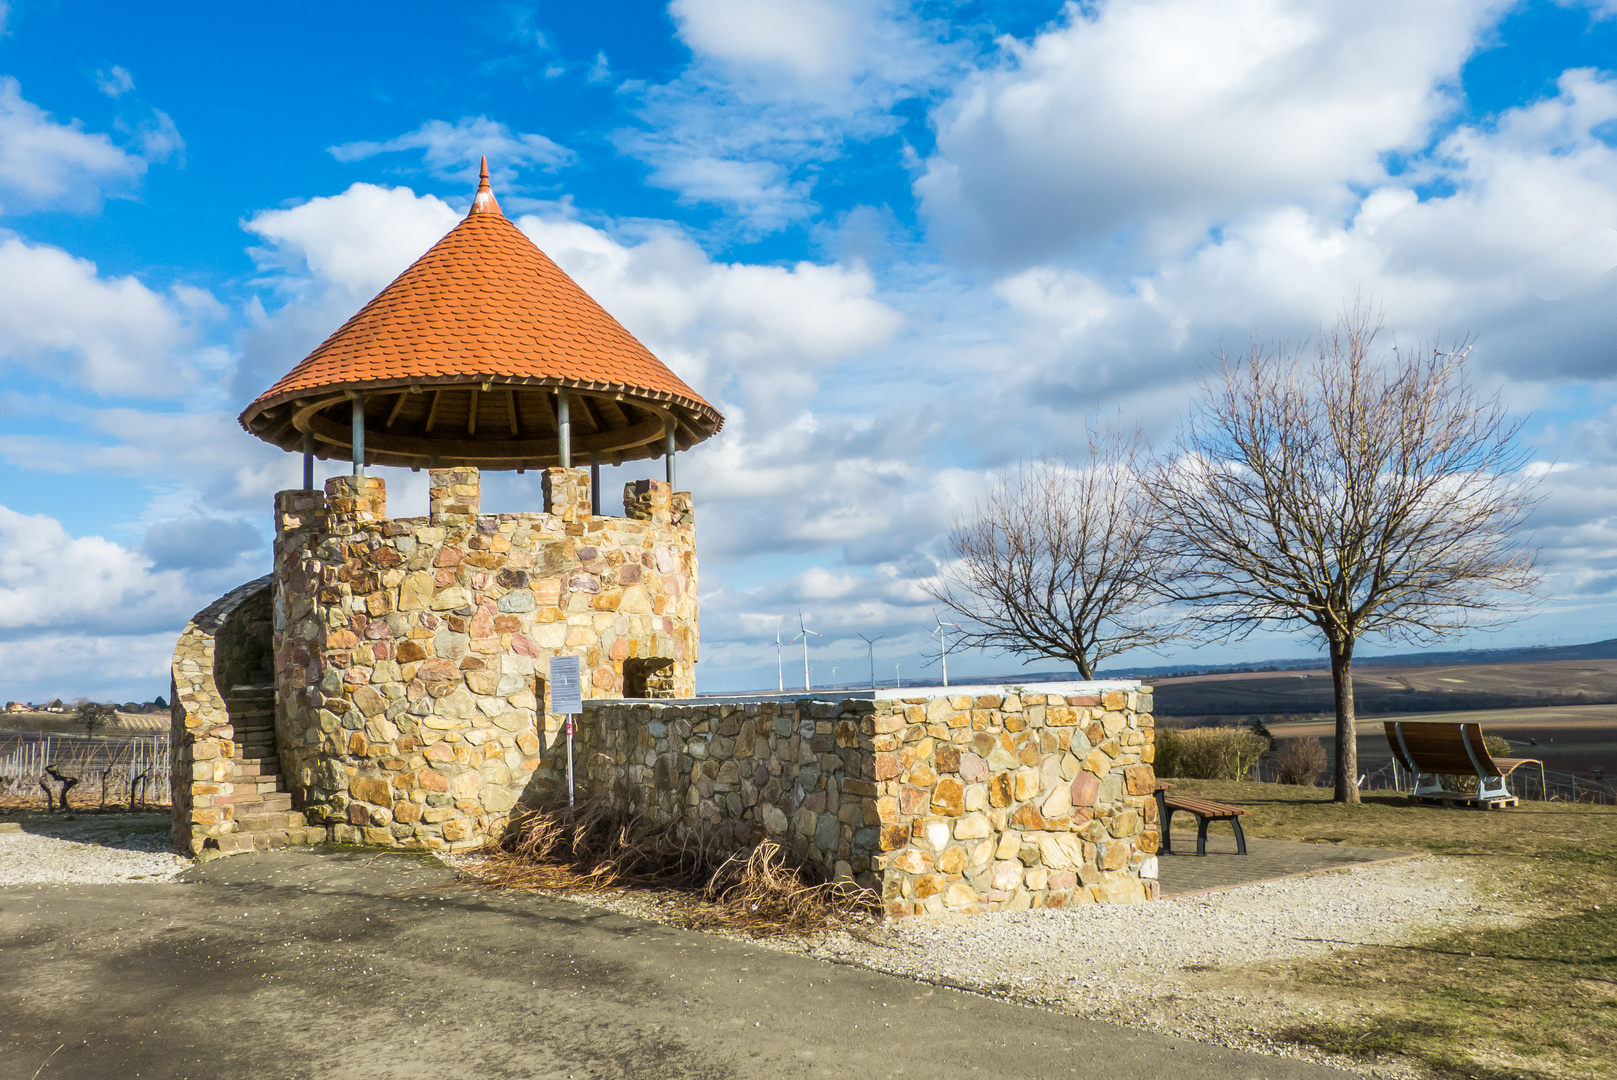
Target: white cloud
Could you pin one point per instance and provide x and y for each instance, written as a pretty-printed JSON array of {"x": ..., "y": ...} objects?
[
  {"x": 1166, "y": 116},
  {"x": 451, "y": 151},
  {"x": 760, "y": 328},
  {"x": 115, "y": 81},
  {"x": 43, "y": 667},
  {"x": 322, "y": 260},
  {"x": 44, "y": 163},
  {"x": 777, "y": 87},
  {"x": 159, "y": 138},
  {"x": 52, "y": 580},
  {"x": 356, "y": 242},
  {"x": 814, "y": 39},
  {"x": 63, "y": 320}
]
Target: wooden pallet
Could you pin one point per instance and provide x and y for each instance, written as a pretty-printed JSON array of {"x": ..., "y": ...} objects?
[{"x": 1458, "y": 798}]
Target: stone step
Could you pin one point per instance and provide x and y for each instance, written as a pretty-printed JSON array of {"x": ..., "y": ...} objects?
[
  {"x": 265, "y": 767},
  {"x": 249, "y": 788},
  {"x": 232, "y": 843},
  {"x": 257, "y": 802},
  {"x": 261, "y": 784},
  {"x": 257, "y": 753},
  {"x": 275, "y": 822}
]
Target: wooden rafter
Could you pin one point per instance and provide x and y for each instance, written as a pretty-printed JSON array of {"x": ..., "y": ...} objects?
[
  {"x": 398, "y": 406},
  {"x": 432, "y": 413},
  {"x": 471, "y": 414},
  {"x": 511, "y": 410},
  {"x": 591, "y": 412}
]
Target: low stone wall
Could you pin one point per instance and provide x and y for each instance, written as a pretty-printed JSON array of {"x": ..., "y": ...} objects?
[{"x": 984, "y": 799}]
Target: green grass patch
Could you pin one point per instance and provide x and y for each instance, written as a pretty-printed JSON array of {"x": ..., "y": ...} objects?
[{"x": 1537, "y": 1000}]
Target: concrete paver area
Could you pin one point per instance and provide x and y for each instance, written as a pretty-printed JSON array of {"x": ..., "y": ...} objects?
[{"x": 313, "y": 964}]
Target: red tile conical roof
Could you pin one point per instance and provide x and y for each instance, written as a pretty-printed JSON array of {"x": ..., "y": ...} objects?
[{"x": 483, "y": 309}]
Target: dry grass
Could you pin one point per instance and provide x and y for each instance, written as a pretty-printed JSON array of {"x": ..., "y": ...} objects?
[
  {"x": 1533, "y": 1000},
  {"x": 761, "y": 891}
]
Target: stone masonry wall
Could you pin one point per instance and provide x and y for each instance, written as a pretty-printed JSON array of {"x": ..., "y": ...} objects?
[
  {"x": 982, "y": 800},
  {"x": 200, "y": 731},
  {"x": 412, "y": 655}
]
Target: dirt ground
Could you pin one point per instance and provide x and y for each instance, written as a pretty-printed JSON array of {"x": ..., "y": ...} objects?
[{"x": 313, "y": 965}]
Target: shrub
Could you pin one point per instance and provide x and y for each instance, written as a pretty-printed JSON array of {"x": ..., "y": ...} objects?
[
  {"x": 1497, "y": 745},
  {"x": 1302, "y": 762},
  {"x": 1221, "y": 753}
]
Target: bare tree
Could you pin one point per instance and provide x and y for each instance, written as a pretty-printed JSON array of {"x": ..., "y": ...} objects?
[
  {"x": 1057, "y": 561},
  {"x": 1348, "y": 493},
  {"x": 94, "y": 716}
]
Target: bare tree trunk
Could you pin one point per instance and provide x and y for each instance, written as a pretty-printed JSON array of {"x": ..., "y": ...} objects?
[{"x": 1347, "y": 740}]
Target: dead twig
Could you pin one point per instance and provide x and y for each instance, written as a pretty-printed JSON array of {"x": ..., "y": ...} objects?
[{"x": 593, "y": 849}]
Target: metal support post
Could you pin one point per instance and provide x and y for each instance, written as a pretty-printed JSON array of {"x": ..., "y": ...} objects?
[
  {"x": 668, "y": 449},
  {"x": 308, "y": 461},
  {"x": 564, "y": 429},
  {"x": 595, "y": 483},
  {"x": 359, "y": 435}
]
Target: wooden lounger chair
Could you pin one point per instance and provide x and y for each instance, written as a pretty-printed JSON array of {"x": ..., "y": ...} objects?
[{"x": 1431, "y": 749}]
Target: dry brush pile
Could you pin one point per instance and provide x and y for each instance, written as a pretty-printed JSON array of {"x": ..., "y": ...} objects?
[{"x": 761, "y": 890}]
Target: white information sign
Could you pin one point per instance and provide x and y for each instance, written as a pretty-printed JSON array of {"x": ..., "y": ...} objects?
[{"x": 566, "y": 689}]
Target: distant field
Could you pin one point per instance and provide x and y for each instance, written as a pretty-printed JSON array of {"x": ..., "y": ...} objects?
[
  {"x": 1402, "y": 690},
  {"x": 1571, "y": 738},
  {"x": 124, "y": 723}
]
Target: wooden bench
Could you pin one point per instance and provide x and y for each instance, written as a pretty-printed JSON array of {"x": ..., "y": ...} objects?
[
  {"x": 1429, "y": 750},
  {"x": 1205, "y": 812}
]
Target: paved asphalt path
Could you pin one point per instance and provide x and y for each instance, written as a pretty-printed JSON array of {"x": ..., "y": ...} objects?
[{"x": 318, "y": 965}]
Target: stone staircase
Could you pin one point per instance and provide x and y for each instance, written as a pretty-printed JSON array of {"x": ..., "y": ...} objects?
[{"x": 262, "y": 806}]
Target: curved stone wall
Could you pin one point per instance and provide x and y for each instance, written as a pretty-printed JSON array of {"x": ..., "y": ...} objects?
[
  {"x": 412, "y": 655},
  {"x": 219, "y": 641}
]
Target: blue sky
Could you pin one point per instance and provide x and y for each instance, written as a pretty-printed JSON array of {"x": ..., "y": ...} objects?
[{"x": 900, "y": 245}]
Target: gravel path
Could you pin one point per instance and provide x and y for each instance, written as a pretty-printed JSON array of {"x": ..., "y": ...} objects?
[
  {"x": 1193, "y": 967},
  {"x": 90, "y": 850}
]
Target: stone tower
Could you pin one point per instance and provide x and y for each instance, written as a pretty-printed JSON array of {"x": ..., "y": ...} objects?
[{"x": 406, "y": 660}]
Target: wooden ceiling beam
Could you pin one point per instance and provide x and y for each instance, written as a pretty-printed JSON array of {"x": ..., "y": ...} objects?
[{"x": 398, "y": 406}]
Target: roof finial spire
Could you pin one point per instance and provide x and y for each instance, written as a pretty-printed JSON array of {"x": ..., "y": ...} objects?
[{"x": 484, "y": 202}]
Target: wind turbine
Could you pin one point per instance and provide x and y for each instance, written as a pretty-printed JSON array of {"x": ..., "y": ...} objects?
[
  {"x": 804, "y": 632},
  {"x": 870, "y": 645},
  {"x": 780, "y": 671},
  {"x": 943, "y": 641}
]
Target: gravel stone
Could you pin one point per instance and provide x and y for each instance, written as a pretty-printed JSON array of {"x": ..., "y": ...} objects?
[{"x": 92, "y": 850}]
